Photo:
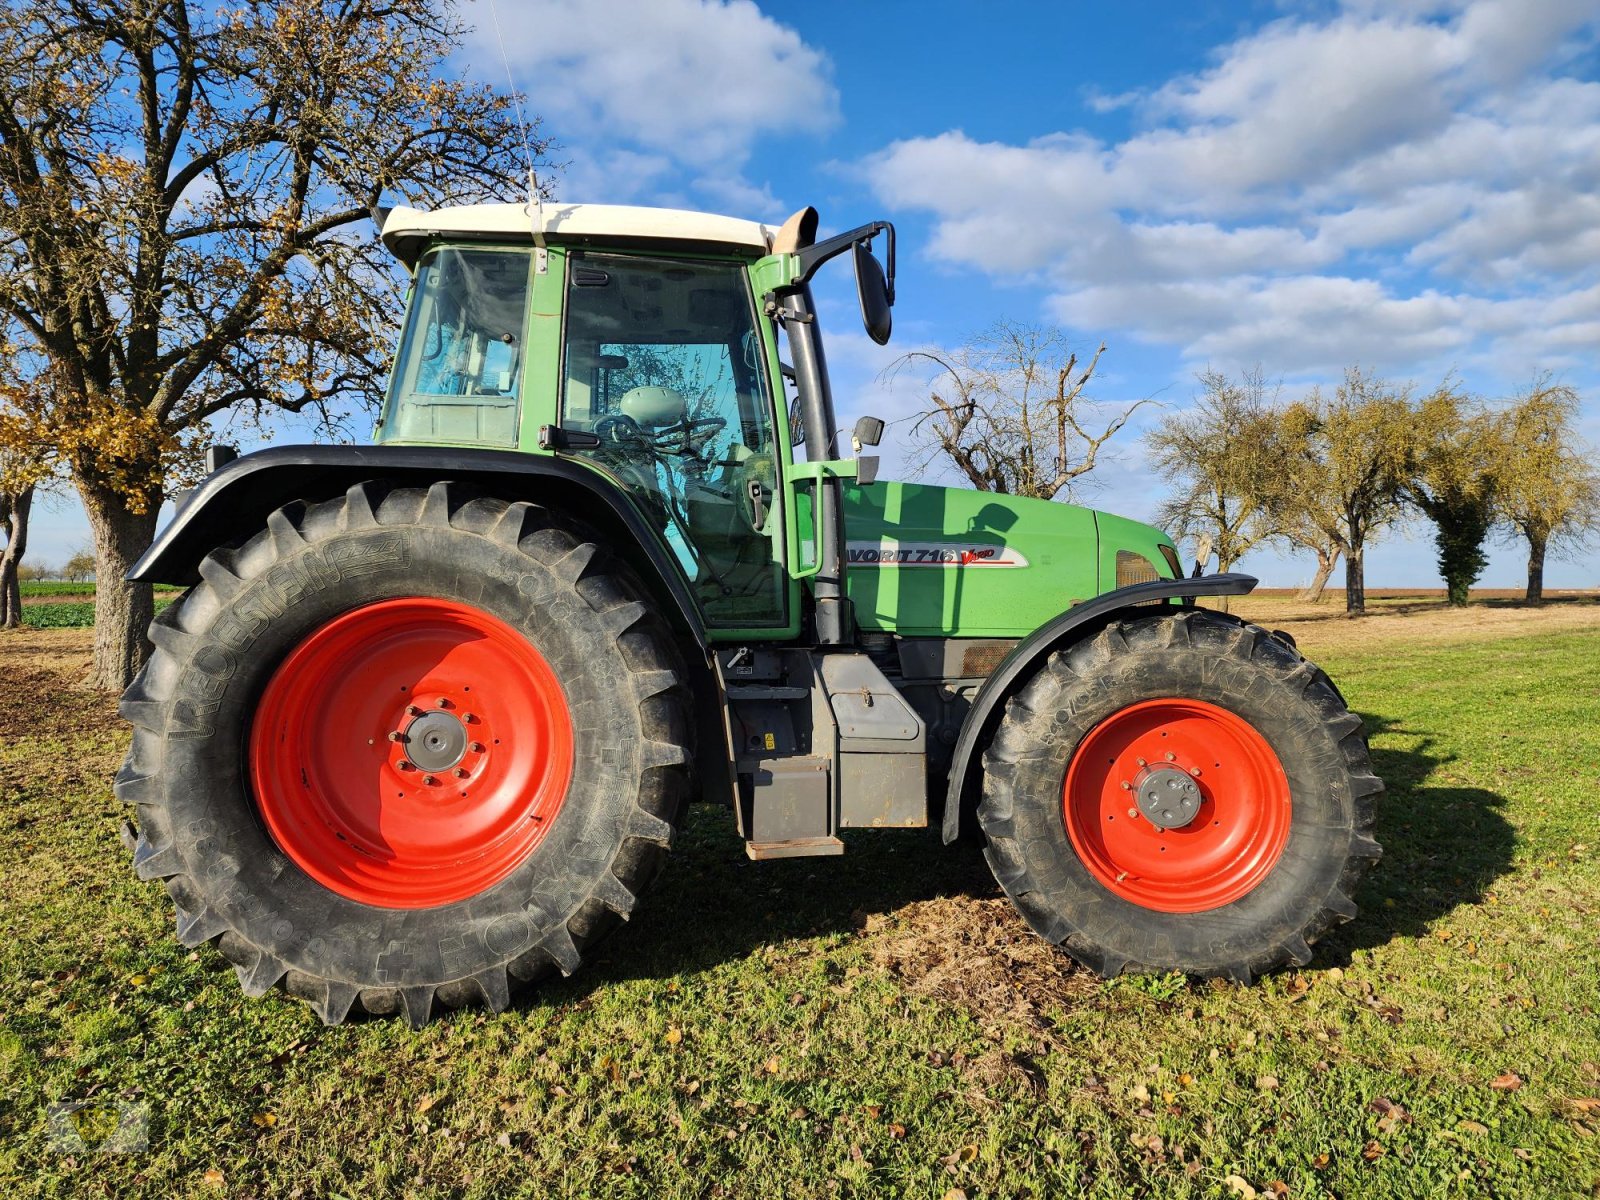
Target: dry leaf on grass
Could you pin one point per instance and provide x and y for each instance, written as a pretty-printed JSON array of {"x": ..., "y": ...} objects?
[{"x": 1506, "y": 1081}]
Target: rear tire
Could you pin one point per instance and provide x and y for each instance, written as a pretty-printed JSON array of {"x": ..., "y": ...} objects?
[
  {"x": 301, "y": 887},
  {"x": 1279, "y": 823}
]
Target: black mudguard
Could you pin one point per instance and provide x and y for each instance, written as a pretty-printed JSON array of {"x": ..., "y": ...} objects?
[
  {"x": 987, "y": 707},
  {"x": 234, "y": 502}
]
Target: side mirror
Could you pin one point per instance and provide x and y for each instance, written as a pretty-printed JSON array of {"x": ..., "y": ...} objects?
[
  {"x": 872, "y": 287},
  {"x": 797, "y": 424},
  {"x": 868, "y": 432}
]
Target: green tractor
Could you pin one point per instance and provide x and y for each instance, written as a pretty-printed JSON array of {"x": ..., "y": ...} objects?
[{"x": 424, "y": 724}]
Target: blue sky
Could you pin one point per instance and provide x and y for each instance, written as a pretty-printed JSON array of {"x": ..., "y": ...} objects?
[{"x": 1411, "y": 186}]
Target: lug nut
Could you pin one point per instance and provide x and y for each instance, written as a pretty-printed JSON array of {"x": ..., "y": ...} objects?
[
  {"x": 429, "y": 780},
  {"x": 443, "y": 703},
  {"x": 1171, "y": 757},
  {"x": 461, "y": 772},
  {"x": 468, "y": 719},
  {"x": 397, "y": 736},
  {"x": 404, "y": 765},
  {"x": 1195, "y": 771},
  {"x": 1126, "y": 786},
  {"x": 1134, "y": 813},
  {"x": 413, "y": 711},
  {"x": 477, "y": 747},
  {"x": 1141, "y": 762}
]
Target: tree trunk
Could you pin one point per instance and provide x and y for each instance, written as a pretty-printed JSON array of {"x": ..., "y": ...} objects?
[
  {"x": 1355, "y": 584},
  {"x": 1536, "y": 548},
  {"x": 1312, "y": 592},
  {"x": 16, "y": 529},
  {"x": 122, "y": 610}
]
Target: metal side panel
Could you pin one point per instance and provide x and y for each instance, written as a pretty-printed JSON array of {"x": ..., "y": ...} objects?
[{"x": 883, "y": 745}]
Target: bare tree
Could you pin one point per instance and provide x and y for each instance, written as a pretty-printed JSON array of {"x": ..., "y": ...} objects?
[
  {"x": 1008, "y": 410},
  {"x": 180, "y": 186},
  {"x": 1548, "y": 494},
  {"x": 1217, "y": 454}
]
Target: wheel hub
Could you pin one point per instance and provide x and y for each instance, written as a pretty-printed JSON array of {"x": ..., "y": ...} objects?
[
  {"x": 1167, "y": 796},
  {"x": 411, "y": 752},
  {"x": 436, "y": 741}
]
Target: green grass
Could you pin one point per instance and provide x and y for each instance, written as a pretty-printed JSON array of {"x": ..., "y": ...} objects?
[{"x": 750, "y": 1034}]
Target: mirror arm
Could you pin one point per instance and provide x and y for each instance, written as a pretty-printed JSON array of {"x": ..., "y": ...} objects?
[{"x": 812, "y": 257}]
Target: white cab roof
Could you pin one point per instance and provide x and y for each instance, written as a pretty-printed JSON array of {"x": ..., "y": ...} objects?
[{"x": 407, "y": 230}]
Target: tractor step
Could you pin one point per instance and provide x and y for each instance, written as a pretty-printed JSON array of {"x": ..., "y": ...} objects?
[{"x": 806, "y": 847}]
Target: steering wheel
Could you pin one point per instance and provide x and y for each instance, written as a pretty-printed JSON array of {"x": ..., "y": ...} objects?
[{"x": 690, "y": 431}]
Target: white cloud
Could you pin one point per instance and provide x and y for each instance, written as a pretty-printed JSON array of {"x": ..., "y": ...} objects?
[
  {"x": 1404, "y": 184},
  {"x": 690, "y": 83}
]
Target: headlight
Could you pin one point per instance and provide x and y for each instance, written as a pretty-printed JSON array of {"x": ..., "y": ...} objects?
[{"x": 1134, "y": 568}]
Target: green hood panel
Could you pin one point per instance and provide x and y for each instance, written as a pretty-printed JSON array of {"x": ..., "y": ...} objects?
[{"x": 919, "y": 555}]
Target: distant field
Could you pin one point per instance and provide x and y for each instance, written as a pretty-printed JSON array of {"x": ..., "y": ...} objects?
[
  {"x": 37, "y": 589},
  {"x": 880, "y": 1024}
]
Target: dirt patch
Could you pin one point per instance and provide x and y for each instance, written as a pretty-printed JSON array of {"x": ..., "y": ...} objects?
[
  {"x": 1412, "y": 618},
  {"x": 979, "y": 954},
  {"x": 41, "y": 684},
  {"x": 59, "y": 598}
]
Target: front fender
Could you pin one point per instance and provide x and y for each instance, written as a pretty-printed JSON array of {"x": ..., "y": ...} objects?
[
  {"x": 987, "y": 706},
  {"x": 234, "y": 502}
]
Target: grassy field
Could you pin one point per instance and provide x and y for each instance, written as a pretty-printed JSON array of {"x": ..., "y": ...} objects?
[{"x": 880, "y": 1023}]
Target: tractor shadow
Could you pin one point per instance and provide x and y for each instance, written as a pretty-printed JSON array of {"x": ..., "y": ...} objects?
[
  {"x": 1444, "y": 845},
  {"x": 713, "y": 905}
]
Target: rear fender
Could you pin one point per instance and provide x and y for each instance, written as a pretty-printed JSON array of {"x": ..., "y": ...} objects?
[
  {"x": 235, "y": 501},
  {"x": 966, "y": 766}
]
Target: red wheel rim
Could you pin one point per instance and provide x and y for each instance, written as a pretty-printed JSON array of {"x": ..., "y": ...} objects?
[
  {"x": 353, "y": 752},
  {"x": 1234, "y": 838}
]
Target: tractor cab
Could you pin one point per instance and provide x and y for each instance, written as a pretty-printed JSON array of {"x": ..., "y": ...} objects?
[{"x": 644, "y": 343}]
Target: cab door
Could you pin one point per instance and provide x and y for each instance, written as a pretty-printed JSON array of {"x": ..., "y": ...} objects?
[{"x": 664, "y": 365}]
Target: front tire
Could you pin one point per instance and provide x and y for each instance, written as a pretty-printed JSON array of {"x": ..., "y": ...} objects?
[
  {"x": 407, "y": 749},
  {"x": 1180, "y": 792}
]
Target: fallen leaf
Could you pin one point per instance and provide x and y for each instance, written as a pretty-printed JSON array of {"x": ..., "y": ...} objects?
[
  {"x": 1319, "y": 1162},
  {"x": 265, "y": 1119},
  {"x": 674, "y": 1036},
  {"x": 896, "y": 1130},
  {"x": 1278, "y": 1188},
  {"x": 503, "y": 1141},
  {"x": 1333, "y": 974},
  {"x": 1240, "y": 1187},
  {"x": 1584, "y": 1105},
  {"x": 772, "y": 1065},
  {"x": 1472, "y": 1127},
  {"x": 426, "y": 1103},
  {"x": 213, "y": 1178},
  {"x": 1185, "y": 1079},
  {"x": 1506, "y": 1081},
  {"x": 1372, "y": 1152},
  {"x": 1139, "y": 1093},
  {"x": 873, "y": 1110},
  {"x": 1267, "y": 1083},
  {"x": 955, "y": 1194}
]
